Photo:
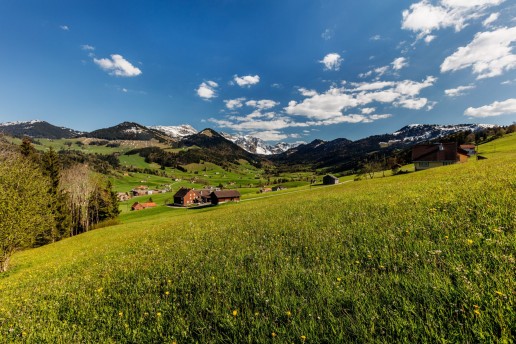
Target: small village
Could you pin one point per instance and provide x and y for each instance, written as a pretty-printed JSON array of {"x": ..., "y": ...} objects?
[{"x": 424, "y": 156}]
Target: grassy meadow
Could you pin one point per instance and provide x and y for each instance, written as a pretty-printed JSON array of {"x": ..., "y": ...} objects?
[{"x": 426, "y": 257}]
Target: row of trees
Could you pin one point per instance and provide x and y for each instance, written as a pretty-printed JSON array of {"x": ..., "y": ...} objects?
[{"x": 42, "y": 202}]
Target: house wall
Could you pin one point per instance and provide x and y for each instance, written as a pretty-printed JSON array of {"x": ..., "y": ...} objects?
[
  {"x": 425, "y": 165},
  {"x": 188, "y": 199}
]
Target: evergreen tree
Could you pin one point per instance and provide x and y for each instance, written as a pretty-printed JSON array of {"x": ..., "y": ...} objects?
[{"x": 59, "y": 207}]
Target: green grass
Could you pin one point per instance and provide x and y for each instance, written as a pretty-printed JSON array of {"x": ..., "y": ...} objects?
[{"x": 423, "y": 257}]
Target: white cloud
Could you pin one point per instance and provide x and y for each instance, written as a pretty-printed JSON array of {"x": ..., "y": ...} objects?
[
  {"x": 207, "y": 90},
  {"x": 270, "y": 135},
  {"x": 429, "y": 38},
  {"x": 332, "y": 103},
  {"x": 489, "y": 54},
  {"x": 399, "y": 63},
  {"x": 368, "y": 111},
  {"x": 306, "y": 92},
  {"x": 262, "y": 104},
  {"x": 424, "y": 17},
  {"x": 118, "y": 66},
  {"x": 247, "y": 80},
  {"x": 506, "y": 107},
  {"x": 64, "y": 27},
  {"x": 234, "y": 103},
  {"x": 327, "y": 34},
  {"x": 332, "y": 61},
  {"x": 377, "y": 117},
  {"x": 459, "y": 91},
  {"x": 87, "y": 47},
  {"x": 376, "y": 38},
  {"x": 381, "y": 70},
  {"x": 491, "y": 19}
]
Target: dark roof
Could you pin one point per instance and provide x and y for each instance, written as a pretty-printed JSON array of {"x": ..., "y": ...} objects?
[
  {"x": 203, "y": 192},
  {"x": 226, "y": 193},
  {"x": 182, "y": 192},
  {"x": 331, "y": 176},
  {"x": 436, "y": 152}
]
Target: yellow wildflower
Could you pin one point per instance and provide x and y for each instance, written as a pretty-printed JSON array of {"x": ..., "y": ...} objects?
[
  {"x": 158, "y": 314},
  {"x": 167, "y": 293},
  {"x": 120, "y": 314},
  {"x": 273, "y": 334},
  {"x": 476, "y": 311},
  {"x": 288, "y": 313},
  {"x": 499, "y": 293},
  {"x": 303, "y": 338},
  {"x": 339, "y": 279},
  {"x": 235, "y": 312},
  {"x": 469, "y": 242}
]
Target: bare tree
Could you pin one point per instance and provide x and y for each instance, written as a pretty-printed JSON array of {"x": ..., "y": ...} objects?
[{"x": 78, "y": 182}]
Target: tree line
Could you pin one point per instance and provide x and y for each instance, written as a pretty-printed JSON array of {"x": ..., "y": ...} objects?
[{"x": 44, "y": 200}]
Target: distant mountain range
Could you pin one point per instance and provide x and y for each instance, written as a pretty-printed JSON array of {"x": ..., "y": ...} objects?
[
  {"x": 343, "y": 154},
  {"x": 318, "y": 152},
  {"x": 258, "y": 146},
  {"x": 38, "y": 129}
]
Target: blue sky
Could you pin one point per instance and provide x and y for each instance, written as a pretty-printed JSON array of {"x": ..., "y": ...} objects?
[{"x": 289, "y": 70}]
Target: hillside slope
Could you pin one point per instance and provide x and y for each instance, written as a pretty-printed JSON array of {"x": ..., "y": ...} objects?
[{"x": 422, "y": 257}]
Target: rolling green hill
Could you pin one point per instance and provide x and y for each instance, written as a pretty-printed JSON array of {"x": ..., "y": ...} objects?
[{"x": 422, "y": 257}]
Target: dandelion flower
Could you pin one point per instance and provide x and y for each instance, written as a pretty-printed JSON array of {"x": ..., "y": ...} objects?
[
  {"x": 303, "y": 338},
  {"x": 469, "y": 242},
  {"x": 120, "y": 314},
  {"x": 167, "y": 292},
  {"x": 288, "y": 313},
  {"x": 339, "y": 279},
  {"x": 235, "y": 312},
  {"x": 273, "y": 334},
  {"x": 476, "y": 311},
  {"x": 158, "y": 314}
]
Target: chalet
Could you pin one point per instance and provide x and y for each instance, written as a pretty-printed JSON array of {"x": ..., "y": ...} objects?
[
  {"x": 431, "y": 155},
  {"x": 224, "y": 196},
  {"x": 278, "y": 188},
  {"x": 185, "y": 197},
  {"x": 470, "y": 149},
  {"x": 330, "y": 180},
  {"x": 141, "y": 206}
]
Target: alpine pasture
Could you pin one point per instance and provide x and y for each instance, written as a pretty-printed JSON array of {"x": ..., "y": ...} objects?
[{"x": 421, "y": 257}]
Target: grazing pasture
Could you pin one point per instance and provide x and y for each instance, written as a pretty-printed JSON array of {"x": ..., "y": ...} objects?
[{"x": 421, "y": 257}]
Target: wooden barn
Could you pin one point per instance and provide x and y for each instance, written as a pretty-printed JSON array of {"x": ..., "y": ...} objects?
[
  {"x": 141, "y": 206},
  {"x": 223, "y": 196},
  {"x": 185, "y": 197},
  {"x": 425, "y": 156},
  {"x": 330, "y": 180}
]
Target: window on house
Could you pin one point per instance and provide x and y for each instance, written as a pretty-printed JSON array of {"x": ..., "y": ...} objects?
[{"x": 423, "y": 164}]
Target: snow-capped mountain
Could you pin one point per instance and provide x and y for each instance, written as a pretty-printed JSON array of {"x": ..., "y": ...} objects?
[
  {"x": 423, "y": 132},
  {"x": 258, "y": 146},
  {"x": 37, "y": 129},
  {"x": 176, "y": 131}
]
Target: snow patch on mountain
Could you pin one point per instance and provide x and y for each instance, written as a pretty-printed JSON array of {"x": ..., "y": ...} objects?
[
  {"x": 176, "y": 131},
  {"x": 258, "y": 146},
  {"x": 423, "y": 132},
  {"x": 7, "y": 124}
]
